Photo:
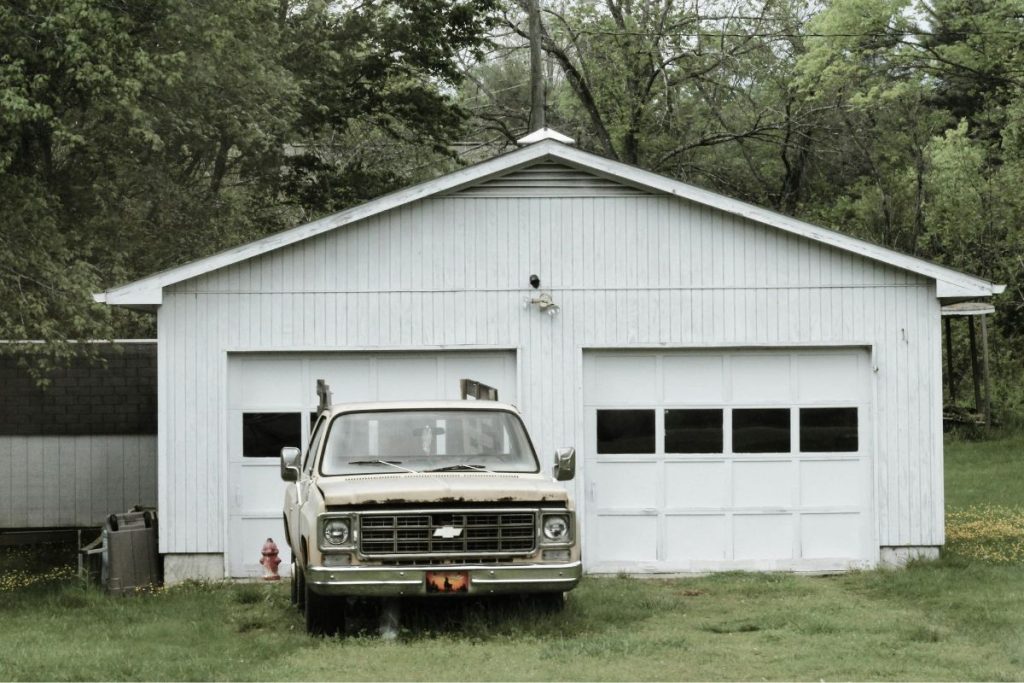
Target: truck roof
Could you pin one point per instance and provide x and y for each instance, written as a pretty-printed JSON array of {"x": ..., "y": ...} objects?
[{"x": 338, "y": 408}]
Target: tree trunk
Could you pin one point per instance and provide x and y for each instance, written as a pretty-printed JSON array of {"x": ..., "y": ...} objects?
[{"x": 220, "y": 165}]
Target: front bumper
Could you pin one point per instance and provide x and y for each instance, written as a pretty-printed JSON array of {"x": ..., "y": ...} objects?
[{"x": 409, "y": 581}]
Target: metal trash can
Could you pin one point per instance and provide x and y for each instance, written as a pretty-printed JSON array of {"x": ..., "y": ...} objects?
[{"x": 130, "y": 557}]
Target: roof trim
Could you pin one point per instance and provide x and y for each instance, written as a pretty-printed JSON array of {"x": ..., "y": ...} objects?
[
  {"x": 148, "y": 292},
  {"x": 545, "y": 134}
]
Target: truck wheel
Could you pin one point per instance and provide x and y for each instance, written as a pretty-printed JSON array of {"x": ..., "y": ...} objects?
[{"x": 323, "y": 614}]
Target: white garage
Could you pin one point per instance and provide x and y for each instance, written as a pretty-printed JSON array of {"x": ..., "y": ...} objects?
[
  {"x": 272, "y": 400},
  {"x": 718, "y": 459},
  {"x": 744, "y": 390}
]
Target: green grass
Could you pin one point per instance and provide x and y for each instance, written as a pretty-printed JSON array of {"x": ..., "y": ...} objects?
[
  {"x": 985, "y": 500},
  {"x": 985, "y": 472},
  {"x": 961, "y": 618},
  {"x": 949, "y": 621}
]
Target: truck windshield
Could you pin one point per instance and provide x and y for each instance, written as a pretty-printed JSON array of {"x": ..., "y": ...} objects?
[{"x": 427, "y": 441}]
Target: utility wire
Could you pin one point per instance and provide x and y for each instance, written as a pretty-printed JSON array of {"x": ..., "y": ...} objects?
[{"x": 776, "y": 34}]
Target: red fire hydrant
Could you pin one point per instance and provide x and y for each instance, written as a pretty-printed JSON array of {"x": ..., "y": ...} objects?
[{"x": 270, "y": 561}]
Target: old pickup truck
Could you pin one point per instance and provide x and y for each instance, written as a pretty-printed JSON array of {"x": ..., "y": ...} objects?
[{"x": 438, "y": 498}]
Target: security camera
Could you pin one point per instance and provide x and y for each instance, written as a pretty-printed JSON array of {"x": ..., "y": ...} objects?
[{"x": 534, "y": 281}]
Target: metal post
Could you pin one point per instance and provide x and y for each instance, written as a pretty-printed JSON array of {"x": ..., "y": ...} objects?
[
  {"x": 537, "y": 95},
  {"x": 974, "y": 365},
  {"x": 323, "y": 392},
  {"x": 984, "y": 372},
  {"x": 949, "y": 360}
]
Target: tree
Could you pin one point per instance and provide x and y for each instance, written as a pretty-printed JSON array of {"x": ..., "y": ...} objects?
[
  {"x": 389, "y": 70},
  {"x": 137, "y": 135}
]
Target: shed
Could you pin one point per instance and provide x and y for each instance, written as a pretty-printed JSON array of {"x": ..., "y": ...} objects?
[
  {"x": 744, "y": 390},
  {"x": 83, "y": 447}
]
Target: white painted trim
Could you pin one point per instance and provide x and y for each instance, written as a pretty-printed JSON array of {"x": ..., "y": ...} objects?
[
  {"x": 876, "y": 453},
  {"x": 711, "y": 346},
  {"x": 224, "y": 426},
  {"x": 545, "y": 134},
  {"x": 695, "y": 569},
  {"x": 371, "y": 349},
  {"x": 581, "y": 445},
  {"x": 149, "y": 290},
  {"x": 164, "y": 542}
]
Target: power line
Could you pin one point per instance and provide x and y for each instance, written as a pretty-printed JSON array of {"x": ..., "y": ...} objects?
[{"x": 777, "y": 34}]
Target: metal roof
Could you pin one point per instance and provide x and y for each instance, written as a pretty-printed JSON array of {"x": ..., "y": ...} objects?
[{"x": 951, "y": 285}]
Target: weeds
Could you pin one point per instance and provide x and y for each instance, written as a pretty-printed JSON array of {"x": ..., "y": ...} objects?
[{"x": 989, "y": 533}]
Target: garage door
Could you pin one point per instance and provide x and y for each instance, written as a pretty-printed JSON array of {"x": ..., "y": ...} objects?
[
  {"x": 271, "y": 399},
  {"x": 713, "y": 460}
]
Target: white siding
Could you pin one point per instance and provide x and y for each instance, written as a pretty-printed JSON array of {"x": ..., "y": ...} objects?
[
  {"x": 74, "y": 481},
  {"x": 628, "y": 271}
]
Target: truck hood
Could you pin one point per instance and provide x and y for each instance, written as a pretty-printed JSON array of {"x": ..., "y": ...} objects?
[{"x": 447, "y": 487}]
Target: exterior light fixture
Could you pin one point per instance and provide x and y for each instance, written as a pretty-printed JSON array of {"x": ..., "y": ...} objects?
[{"x": 544, "y": 302}]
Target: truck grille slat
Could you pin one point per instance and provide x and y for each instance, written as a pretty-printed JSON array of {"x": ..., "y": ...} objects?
[{"x": 409, "y": 534}]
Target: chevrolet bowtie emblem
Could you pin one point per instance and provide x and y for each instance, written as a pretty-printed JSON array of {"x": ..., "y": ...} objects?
[{"x": 448, "y": 532}]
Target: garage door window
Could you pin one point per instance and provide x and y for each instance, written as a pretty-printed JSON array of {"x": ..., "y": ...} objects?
[
  {"x": 760, "y": 430},
  {"x": 693, "y": 431},
  {"x": 625, "y": 431},
  {"x": 265, "y": 434},
  {"x": 828, "y": 430}
]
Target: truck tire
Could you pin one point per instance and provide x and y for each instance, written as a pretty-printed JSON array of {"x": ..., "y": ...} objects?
[
  {"x": 324, "y": 614},
  {"x": 294, "y": 583}
]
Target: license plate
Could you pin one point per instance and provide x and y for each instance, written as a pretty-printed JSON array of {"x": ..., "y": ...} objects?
[{"x": 447, "y": 582}]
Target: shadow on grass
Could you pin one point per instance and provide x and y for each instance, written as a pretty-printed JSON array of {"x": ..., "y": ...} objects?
[{"x": 478, "y": 619}]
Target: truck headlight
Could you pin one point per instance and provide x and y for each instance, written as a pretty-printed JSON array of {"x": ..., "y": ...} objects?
[
  {"x": 556, "y": 527},
  {"x": 337, "y": 531}
]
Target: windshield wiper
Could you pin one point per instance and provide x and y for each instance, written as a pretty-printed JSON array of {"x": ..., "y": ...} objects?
[
  {"x": 389, "y": 463},
  {"x": 460, "y": 466}
]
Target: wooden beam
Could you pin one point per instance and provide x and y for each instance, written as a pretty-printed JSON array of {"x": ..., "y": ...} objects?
[
  {"x": 949, "y": 360},
  {"x": 984, "y": 372},
  {"x": 974, "y": 365}
]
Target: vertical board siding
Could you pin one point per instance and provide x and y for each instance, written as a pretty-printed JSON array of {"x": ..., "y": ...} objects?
[
  {"x": 74, "y": 481},
  {"x": 645, "y": 271}
]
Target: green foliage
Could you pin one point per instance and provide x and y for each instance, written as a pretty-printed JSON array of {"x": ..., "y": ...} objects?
[
  {"x": 135, "y": 136},
  {"x": 897, "y": 121}
]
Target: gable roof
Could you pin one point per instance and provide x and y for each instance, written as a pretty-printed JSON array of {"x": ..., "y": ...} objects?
[{"x": 147, "y": 293}]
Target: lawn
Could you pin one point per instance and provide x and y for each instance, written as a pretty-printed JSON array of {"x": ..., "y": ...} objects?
[{"x": 961, "y": 618}]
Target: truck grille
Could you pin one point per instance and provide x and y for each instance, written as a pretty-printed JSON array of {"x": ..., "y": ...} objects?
[{"x": 447, "y": 533}]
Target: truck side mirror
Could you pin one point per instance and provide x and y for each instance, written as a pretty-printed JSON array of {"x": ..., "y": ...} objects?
[
  {"x": 290, "y": 463},
  {"x": 565, "y": 464}
]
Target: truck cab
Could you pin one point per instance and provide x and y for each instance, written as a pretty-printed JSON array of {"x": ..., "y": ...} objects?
[{"x": 429, "y": 498}]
